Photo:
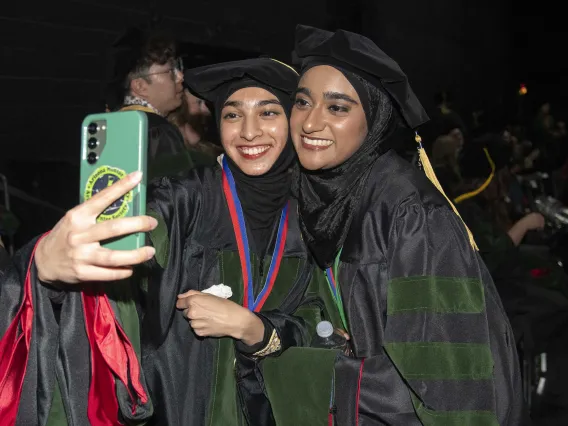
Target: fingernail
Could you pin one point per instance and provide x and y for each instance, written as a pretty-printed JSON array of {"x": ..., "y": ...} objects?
[
  {"x": 134, "y": 176},
  {"x": 151, "y": 252},
  {"x": 153, "y": 222}
]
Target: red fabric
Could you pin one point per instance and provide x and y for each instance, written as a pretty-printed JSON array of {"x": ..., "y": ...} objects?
[
  {"x": 539, "y": 272},
  {"x": 14, "y": 352},
  {"x": 112, "y": 355}
]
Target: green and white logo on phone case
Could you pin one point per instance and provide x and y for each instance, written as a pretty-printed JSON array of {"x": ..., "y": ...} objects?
[{"x": 102, "y": 178}]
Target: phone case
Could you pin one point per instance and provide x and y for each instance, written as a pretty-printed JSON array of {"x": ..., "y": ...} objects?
[{"x": 114, "y": 145}]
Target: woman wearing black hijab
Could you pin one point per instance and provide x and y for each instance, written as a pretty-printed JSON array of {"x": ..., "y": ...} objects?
[
  {"x": 431, "y": 342},
  {"x": 232, "y": 224},
  {"x": 240, "y": 228}
]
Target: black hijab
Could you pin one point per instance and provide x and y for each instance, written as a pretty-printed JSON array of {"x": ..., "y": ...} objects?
[
  {"x": 262, "y": 197},
  {"x": 329, "y": 198}
]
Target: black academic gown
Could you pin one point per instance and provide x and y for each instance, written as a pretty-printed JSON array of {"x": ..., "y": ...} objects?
[
  {"x": 431, "y": 340},
  {"x": 193, "y": 380},
  {"x": 4, "y": 259},
  {"x": 167, "y": 154}
]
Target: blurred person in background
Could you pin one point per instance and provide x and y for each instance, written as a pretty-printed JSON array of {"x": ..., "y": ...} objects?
[
  {"x": 145, "y": 74},
  {"x": 194, "y": 121},
  {"x": 448, "y": 143},
  {"x": 532, "y": 284},
  {"x": 548, "y": 135}
]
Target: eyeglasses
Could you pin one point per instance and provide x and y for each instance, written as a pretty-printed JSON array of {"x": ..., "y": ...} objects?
[{"x": 177, "y": 66}]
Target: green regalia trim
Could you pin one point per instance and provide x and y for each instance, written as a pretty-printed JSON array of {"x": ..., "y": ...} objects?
[
  {"x": 435, "y": 294},
  {"x": 442, "y": 361}
]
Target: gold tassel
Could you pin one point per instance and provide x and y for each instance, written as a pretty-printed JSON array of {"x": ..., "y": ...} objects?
[
  {"x": 432, "y": 176},
  {"x": 485, "y": 184}
]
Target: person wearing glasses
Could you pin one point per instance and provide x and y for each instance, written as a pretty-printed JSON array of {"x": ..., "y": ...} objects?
[{"x": 145, "y": 74}]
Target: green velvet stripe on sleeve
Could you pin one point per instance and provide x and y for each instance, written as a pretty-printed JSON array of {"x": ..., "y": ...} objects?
[
  {"x": 435, "y": 294},
  {"x": 454, "y": 418},
  {"x": 442, "y": 361}
]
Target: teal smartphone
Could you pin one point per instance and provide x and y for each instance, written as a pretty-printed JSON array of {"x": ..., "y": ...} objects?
[{"x": 113, "y": 145}]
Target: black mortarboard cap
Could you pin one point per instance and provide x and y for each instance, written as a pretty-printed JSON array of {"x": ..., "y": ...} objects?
[
  {"x": 216, "y": 82},
  {"x": 209, "y": 81},
  {"x": 360, "y": 55}
]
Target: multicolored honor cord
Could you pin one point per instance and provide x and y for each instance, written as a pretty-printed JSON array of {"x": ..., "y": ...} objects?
[{"x": 238, "y": 220}]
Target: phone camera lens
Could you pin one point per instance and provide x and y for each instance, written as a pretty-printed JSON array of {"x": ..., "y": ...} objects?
[
  {"x": 92, "y": 158},
  {"x": 92, "y": 143},
  {"x": 92, "y": 128}
]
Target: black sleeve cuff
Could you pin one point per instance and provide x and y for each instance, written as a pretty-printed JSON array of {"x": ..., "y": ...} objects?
[{"x": 249, "y": 350}]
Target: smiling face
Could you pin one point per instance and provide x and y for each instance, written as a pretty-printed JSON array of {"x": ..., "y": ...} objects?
[
  {"x": 254, "y": 129},
  {"x": 328, "y": 122}
]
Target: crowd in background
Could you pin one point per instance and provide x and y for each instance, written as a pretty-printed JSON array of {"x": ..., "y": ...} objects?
[{"x": 508, "y": 179}]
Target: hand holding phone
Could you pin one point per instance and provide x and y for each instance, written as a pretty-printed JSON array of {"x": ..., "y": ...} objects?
[{"x": 71, "y": 252}]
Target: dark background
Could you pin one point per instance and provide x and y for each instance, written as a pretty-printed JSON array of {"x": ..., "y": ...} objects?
[{"x": 53, "y": 61}]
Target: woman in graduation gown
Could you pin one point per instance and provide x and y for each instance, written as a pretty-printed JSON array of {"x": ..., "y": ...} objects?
[
  {"x": 431, "y": 342},
  {"x": 233, "y": 224},
  {"x": 238, "y": 226}
]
